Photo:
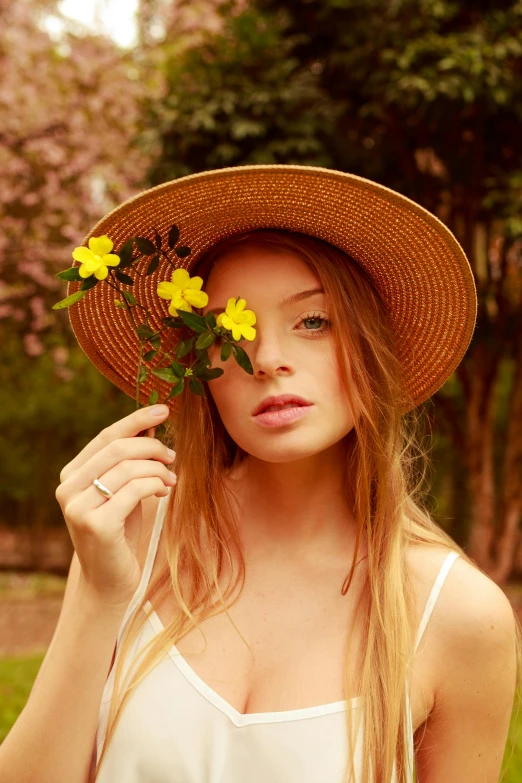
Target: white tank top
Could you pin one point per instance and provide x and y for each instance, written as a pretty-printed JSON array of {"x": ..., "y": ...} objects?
[{"x": 175, "y": 729}]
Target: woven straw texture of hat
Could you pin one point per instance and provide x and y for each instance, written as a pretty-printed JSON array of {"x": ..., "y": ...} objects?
[{"x": 415, "y": 261}]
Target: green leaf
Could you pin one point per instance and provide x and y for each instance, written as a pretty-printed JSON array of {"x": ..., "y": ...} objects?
[
  {"x": 174, "y": 323},
  {"x": 73, "y": 273},
  {"x": 123, "y": 278},
  {"x": 144, "y": 332},
  {"x": 204, "y": 340},
  {"x": 145, "y": 246},
  {"x": 155, "y": 342},
  {"x": 196, "y": 387},
  {"x": 149, "y": 356},
  {"x": 166, "y": 374},
  {"x": 153, "y": 265},
  {"x": 177, "y": 389},
  {"x": 142, "y": 374},
  {"x": 215, "y": 372},
  {"x": 173, "y": 236},
  {"x": 208, "y": 375},
  {"x": 210, "y": 318},
  {"x": 183, "y": 252},
  {"x": 225, "y": 351},
  {"x": 178, "y": 369},
  {"x": 88, "y": 283},
  {"x": 157, "y": 240},
  {"x": 183, "y": 348},
  {"x": 129, "y": 296},
  {"x": 203, "y": 362},
  {"x": 70, "y": 300},
  {"x": 195, "y": 322},
  {"x": 125, "y": 253},
  {"x": 153, "y": 398},
  {"x": 242, "y": 359}
]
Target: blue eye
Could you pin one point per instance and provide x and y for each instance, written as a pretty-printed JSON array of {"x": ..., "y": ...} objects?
[
  {"x": 316, "y": 317},
  {"x": 313, "y": 332}
]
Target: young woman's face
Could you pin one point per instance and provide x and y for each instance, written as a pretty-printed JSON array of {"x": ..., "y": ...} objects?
[{"x": 292, "y": 353}]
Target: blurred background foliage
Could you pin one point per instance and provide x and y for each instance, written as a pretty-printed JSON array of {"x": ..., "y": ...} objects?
[{"x": 423, "y": 96}]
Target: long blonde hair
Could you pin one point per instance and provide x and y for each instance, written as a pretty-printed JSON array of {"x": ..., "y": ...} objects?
[{"x": 387, "y": 466}]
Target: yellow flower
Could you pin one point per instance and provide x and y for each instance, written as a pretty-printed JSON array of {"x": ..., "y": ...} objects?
[
  {"x": 184, "y": 291},
  {"x": 96, "y": 258},
  {"x": 238, "y": 320}
]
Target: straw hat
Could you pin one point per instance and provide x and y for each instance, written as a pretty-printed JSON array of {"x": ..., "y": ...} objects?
[{"x": 415, "y": 261}]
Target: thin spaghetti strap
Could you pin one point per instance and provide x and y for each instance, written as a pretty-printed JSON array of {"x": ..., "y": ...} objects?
[
  {"x": 136, "y": 598},
  {"x": 434, "y": 594},
  {"x": 149, "y": 562}
]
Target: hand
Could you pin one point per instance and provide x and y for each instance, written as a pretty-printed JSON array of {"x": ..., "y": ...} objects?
[{"x": 106, "y": 531}]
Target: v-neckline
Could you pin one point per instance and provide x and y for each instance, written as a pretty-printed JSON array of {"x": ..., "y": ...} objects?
[{"x": 238, "y": 718}]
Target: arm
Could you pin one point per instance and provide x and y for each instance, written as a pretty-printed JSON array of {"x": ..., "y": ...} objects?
[
  {"x": 466, "y": 732},
  {"x": 52, "y": 740}
]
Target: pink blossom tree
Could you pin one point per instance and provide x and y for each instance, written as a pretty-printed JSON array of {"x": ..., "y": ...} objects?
[{"x": 70, "y": 111}]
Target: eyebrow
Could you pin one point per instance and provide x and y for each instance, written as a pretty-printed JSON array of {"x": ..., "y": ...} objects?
[{"x": 289, "y": 300}]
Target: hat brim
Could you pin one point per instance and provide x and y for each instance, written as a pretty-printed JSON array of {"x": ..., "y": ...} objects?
[{"x": 417, "y": 264}]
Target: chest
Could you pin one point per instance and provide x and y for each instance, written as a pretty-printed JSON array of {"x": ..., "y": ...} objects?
[{"x": 283, "y": 644}]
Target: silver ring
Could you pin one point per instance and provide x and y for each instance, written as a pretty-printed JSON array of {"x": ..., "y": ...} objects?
[{"x": 103, "y": 489}]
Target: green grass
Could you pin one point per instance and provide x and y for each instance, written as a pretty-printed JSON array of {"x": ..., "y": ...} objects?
[
  {"x": 17, "y": 676},
  {"x": 512, "y": 764}
]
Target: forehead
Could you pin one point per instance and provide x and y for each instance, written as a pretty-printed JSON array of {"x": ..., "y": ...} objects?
[{"x": 257, "y": 268}]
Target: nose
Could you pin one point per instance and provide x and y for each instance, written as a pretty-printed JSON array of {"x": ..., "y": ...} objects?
[{"x": 268, "y": 354}]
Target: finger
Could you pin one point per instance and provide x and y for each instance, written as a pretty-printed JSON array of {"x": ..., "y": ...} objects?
[
  {"x": 122, "y": 503},
  {"x": 112, "y": 455},
  {"x": 120, "y": 475},
  {"x": 128, "y": 427}
]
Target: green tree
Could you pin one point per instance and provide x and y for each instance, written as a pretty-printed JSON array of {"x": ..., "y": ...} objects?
[
  {"x": 424, "y": 97},
  {"x": 51, "y": 406}
]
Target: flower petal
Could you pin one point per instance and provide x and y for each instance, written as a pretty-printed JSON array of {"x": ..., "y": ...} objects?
[
  {"x": 195, "y": 282},
  {"x": 101, "y": 273},
  {"x": 246, "y": 317},
  {"x": 100, "y": 246},
  {"x": 82, "y": 254},
  {"x": 111, "y": 260},
  {"x": 84, "y": 271},
  {"x": 181, "y": 278},
  {"x": 166, "y": 290},
  {"x": 231, "y": 307},
  {"x": 196, "y": 298},
  {"x": 178, "y": 300},
  {"x": 226, "y": 321},
  {"x": 240, "y": 306},
  {"x": 249, "y": 317},
  {"x": 248, "y": 333}
]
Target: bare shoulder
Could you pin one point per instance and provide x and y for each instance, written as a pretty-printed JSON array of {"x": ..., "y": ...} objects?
[
  {"x": 472, "y": 631},
  {"x": 479, "y": 624},
  {"x": 469, "y": 603}
]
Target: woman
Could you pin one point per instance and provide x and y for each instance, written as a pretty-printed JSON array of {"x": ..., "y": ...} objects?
[{"x": 296, "y": 543}]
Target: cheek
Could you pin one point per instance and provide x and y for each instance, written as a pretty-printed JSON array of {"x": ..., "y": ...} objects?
[{"x": 224, "y": 390}]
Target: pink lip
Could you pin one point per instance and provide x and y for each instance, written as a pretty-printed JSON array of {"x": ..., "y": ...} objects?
[
  {"x": 280, "y": 399},
  {"x": 282, "y": 417}
]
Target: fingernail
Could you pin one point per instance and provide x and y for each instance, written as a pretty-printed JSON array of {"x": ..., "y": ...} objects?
[
  {"x": 171, "y": 453},
  {"x": 158, "y": 410}
]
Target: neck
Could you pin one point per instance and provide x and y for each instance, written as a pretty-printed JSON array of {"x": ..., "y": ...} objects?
[{"x": 299, "y": 511}]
